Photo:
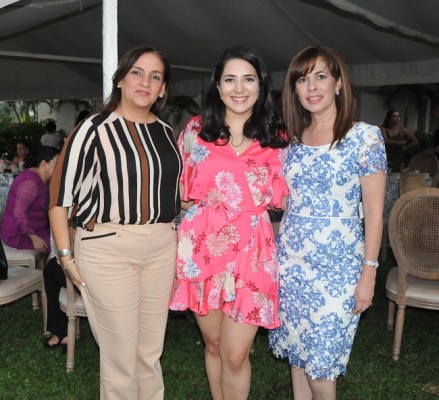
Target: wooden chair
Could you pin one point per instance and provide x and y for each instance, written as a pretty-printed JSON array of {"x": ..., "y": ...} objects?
[
  {"x": 424, "y": 162},
  {"x": 410, "y": 181},
  {"x": 414, "y": 239},
  {"x": 32, "y": 260},
  {"x": 21, "y": 282},
  {"x": 435, "y": 180},
  {"x": 70, "y": 301}
]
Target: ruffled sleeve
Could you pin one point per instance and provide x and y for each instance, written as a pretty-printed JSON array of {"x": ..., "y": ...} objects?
[
  {"x": 280, "y": 188},
  {"x": 373, "y": 153},
  {"x": 186, "y": 142}
]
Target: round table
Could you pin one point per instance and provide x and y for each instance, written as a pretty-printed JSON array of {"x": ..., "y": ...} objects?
[{"x": 5, "y": 184}]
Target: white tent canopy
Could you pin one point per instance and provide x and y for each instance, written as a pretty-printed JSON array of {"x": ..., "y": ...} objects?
[{"x": 53, "y": 48}]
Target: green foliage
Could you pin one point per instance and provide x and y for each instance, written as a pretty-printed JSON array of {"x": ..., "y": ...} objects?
[
  {"x": 5, "y": 122},
  {"x": 10, "y": 133},
  {"x": 29, "y": 371},
  {"x": 177, "y": 107},
  {"x": 24, "y": 111}
]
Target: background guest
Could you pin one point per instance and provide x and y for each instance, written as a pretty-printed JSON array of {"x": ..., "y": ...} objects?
[
  {"x": 51, "y": 138},
  {"x": 327, "y": 266},
  {"x": 54, "y": 280},
  {"x": 20, "y": 158},
  {"x": 83, "y": 114},
  {"x": 25, "y": 224},
  {"x": 397, "y": 140},
  {"x": 119, "y": 173}
]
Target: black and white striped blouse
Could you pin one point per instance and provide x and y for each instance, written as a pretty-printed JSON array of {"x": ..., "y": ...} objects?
[{"x": 115, "y": 170}]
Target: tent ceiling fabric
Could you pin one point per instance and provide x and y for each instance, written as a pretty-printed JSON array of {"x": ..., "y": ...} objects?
[{"x": 384, "y": 42}]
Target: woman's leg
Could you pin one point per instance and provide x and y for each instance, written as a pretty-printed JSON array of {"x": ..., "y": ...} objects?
[
  {"x": 322, "y": 389},
  {"x": 54, "y": 280},
  {"x": 156, "y": 279},
  {"x": 108, "y": 265},
  {"x": 210, "y": 327},
  {"x": 301, "y": 389},
  {"x": 305, "y": 388},
  {"x": 235, "y": 344}
]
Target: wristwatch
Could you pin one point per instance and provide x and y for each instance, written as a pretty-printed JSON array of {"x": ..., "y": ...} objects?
[{"x": 371, "y": 263}]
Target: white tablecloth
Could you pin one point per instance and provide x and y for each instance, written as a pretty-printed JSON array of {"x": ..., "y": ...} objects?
[
  {"x": 392, "y": 193},
  {"x": 5, "y": 183}
]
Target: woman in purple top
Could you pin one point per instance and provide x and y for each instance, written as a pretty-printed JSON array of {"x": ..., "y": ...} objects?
[{"x": 25, "y": 224}]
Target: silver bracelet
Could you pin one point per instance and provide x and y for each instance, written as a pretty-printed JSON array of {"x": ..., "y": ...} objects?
[
  {"x": 371, "y": 263},
  {"x": 70, "y": 262},
  {"x": 64, "y": 252}
]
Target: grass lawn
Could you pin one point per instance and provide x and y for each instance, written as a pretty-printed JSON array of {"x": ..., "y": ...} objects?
[{"x": 28, "y": 371}]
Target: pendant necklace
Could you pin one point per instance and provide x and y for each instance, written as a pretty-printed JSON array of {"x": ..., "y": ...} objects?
[{"x": 242, "y": 141}]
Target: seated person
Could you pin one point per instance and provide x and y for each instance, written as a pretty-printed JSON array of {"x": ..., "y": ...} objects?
[
  {"x": 17, "y": 162},
  {"x": 54, "y": 280},
  {"x": 25, "y": 224}
]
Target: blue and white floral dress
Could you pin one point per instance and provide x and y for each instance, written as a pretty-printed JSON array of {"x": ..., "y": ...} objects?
[{"x": 320, "y": 250}]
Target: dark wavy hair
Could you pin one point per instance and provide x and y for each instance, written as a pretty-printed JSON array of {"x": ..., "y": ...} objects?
[
  {"x": 40, "y": 154},
  {"x": 298, "y": 118},
  {"x": 24, "y": 142},
  {"x": 83, "y": 114},
  {"x": 125, "y": 64},
  {"x": 51, "y": 127},
  {"x": 388, "y": 117},
  {"x": 264, "y": 124}
]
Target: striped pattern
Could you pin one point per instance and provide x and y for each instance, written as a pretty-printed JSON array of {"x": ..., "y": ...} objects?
[{"x": 114, "y": 170}]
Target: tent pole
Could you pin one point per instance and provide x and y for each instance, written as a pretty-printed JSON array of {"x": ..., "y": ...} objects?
[{"x": 109, "y": 45}]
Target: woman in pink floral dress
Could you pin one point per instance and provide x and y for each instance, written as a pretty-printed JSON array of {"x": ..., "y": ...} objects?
[{"x": 227, "y": 272}]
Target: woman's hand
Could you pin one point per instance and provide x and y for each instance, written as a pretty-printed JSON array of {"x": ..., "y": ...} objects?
[
  {"x": 39, "y": 244},
  {"x": 60, "y": 232},
  {"x": 365, "y": 290},
  {"x": 284, "y": 203},
  {"x": 72, "y": 271}
]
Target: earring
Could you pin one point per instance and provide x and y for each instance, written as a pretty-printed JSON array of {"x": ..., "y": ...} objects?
[
  {"x": 219, "y": 91},
  {"x": 118, "y": 85},
  {"x": 337, "y": 92}
]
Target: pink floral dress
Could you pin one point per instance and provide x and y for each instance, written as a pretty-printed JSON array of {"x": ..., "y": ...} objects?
[{"x": 226, "y": 252}]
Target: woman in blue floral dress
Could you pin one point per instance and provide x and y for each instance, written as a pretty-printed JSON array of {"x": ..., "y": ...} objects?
[{"x": 335, "y": 170}]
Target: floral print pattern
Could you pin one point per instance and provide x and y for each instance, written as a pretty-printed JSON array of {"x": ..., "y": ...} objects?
[
  {"x": 320, "y": 250},
  {"x": 226, "y": 252}
]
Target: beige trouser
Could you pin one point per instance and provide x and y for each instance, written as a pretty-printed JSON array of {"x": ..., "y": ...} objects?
[{"x": 129, "y": 271}]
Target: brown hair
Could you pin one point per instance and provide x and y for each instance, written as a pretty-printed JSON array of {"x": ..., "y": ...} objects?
[
  {"x": 125, "y": 64},
  {"x": 295, "y": 116}
]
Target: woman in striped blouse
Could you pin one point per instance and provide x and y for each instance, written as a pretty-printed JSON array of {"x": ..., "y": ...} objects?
[{"x": 117, "y": 179}]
